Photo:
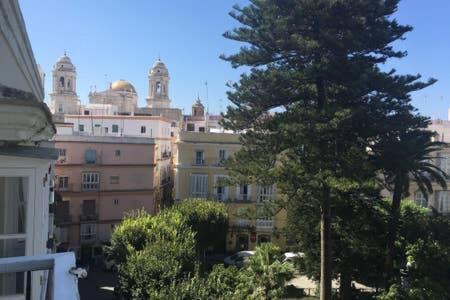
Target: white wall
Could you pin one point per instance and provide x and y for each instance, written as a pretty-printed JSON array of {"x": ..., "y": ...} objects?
[{"x": 128, "y": 126}]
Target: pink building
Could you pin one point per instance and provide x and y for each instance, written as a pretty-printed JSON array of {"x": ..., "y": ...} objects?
[{"x": 98, "y": 181}]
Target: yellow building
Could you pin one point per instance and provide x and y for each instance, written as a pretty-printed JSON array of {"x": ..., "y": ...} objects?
[{"x": 199, "y": 158}]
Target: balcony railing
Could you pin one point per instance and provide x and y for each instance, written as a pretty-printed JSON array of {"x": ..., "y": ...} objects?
[
  {"x": 58, "y": 282},
  {"x": 199, "y": 162},
  {"x": 264, "y": 224},
  {"x": 87, "y": 238},
  {"x": 243, "y": 222},
  {"x": 91, "y": 216}
]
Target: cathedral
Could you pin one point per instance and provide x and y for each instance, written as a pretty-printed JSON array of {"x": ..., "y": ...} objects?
[{"x": 120, "y": 98}]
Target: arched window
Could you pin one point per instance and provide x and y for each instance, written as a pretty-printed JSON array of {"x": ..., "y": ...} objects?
[
  {"x": 158, "y": 88},
  {"x": 61, "y": 81},
  {"x": 68, "y": 83}
]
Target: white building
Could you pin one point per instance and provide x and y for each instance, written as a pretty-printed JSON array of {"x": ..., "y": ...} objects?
[
  {"x": 201, "y": 121},
  {"x": 26, "y": 169}
]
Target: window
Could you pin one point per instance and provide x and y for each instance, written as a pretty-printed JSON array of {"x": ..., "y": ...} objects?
[
  {"x": 62, "y": 152},
  {"x": 115, "y": 128},
  {"x": 14, "y": 193},
  {"x": 117, "y": 152},
  {"x": 420, "y": 199},
  {"x": 80, "y": 127},
  {"x": 201, "y": 129},
  {"x": 61, "y": 81},
  {"x": 265, "y": 193},
  {"x": 222, "y": 156},
  {"x": 97, "y": 125},
  {"x": 199, "y": 186},
  {"x": 88, "y": 232},
  {"x": 264, "y": 218},
  {"x": 444, "y": 201},
  {"x": 60, "y": 108},
  {"x": 199, "y": 157},
  {"x": 143, "y": 129},
  {"x": 88, "y": 207},
  {"x": 90, "y": 181},
  {"x": 114, "y": 179},
  {"x": 106, "y": 129},
  {"x": 63, "y": 182},
  {"x": 220, "y": 189},
  {"x": 86, "y": 112},
  {"x": 90, "y": 156},
  {"x": 243, "y": 192},
  {"x": 116, "y": 201},
  {"x": 190, "y": 127},
  {"x": 68, "y": 83}
]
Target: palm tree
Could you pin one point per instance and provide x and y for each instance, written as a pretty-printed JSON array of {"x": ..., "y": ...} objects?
[{"x": 403, "y": 157}]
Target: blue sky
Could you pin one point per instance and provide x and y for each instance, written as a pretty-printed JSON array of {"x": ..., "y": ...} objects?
[{"x": 110, "y": 40}]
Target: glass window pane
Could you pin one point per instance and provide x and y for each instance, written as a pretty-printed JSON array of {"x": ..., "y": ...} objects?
[
  {"x": 12, "y": 283},
  {"x": 13, "y": 202}
]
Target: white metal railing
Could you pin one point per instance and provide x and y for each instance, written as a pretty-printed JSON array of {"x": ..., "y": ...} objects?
[
  {"x": 264, "y": 223},
  {"x": 61, "y": 273},
  {"x": 243, "y": 222}
]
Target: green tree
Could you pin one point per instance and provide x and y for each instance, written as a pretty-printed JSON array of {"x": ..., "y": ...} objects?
[
  {"x": 403, "y": 155},
  {"x": 422, "y": 250},
  {"x": 151, "y": 251},
  {"x": 358, "y": 232},
  {"x": 314, "y": 98},
  {"x": 265, "y": 275},
  {"x": 208, "y": 219}
]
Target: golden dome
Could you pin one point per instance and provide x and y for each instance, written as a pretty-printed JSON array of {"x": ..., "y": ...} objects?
[{"x": 122, "y": 85}]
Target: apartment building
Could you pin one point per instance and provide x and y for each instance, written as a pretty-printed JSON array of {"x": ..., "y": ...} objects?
[
  {"x": 199, "y": 173},
  {"x": 99, "y": 180},
  {"x": 26, "y": 171}
]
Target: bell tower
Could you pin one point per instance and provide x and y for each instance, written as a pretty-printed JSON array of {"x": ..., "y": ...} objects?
[
  {"x": 158, "y": 86},
  {"x": 64, "y": 98}
]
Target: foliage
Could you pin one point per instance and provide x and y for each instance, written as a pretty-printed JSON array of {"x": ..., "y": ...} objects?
[
  {"x": 208, "y": 219},
  {"x": 151, "y": 252},
  {"x": 400, "y": 155},
  {"x": 157, "y": 260},
  {"x": 315, "y": 100},
  {"x": 265, "y": 275}
]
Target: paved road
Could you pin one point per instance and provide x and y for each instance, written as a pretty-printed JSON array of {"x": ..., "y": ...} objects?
[{"x": 98, "y": 286}]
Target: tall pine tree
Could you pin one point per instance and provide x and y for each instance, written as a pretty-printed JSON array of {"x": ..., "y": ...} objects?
[{"x": 315, "y": 99}]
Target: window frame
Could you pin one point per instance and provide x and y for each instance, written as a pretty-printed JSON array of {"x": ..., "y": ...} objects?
[
  {"x": 90, "y": 185},
  {"x": 201, "y": 180}
]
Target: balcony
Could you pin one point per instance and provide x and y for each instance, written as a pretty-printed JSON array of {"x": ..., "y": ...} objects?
[
  {"x": 264, "y": 224},
  {"x": 59, "y": 280},
  {"x": 243, "y": 223},
  {"x": 87, "y": 217},
  {"x": 199, "y": 162},
  {"x": 221, "y": 197}
]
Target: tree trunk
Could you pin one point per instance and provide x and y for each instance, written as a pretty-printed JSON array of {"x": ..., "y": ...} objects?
[
  {"x": 325, "y": 249},
  {"x": 392, "y": 233},
  {"x": 345, "y": 287}
]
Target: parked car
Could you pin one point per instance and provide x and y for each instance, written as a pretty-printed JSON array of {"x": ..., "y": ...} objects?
[
  {"x": 292, "y": 256},
  {"x": 238, "y": 259}
]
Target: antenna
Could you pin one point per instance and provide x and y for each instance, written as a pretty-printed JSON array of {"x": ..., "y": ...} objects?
[
  {"x": 106, "y": 80},
  {"x": 207, "y": 96}
]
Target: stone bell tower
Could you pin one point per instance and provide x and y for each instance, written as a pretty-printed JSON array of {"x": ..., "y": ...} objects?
[
  {"x": 158, "y": 87},
  {"x": 64, "y": 98}
]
